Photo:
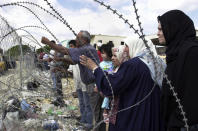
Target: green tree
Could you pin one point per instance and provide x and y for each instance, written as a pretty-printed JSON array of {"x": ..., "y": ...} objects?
[
  {"x": 15, "y": 51},
  {"x": 43, "y": 49}
]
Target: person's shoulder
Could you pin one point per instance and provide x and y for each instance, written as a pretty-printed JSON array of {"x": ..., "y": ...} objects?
[
  {"x": 89, "y": 46},
  {"x": 73, "y": 50},
  {"x": 134, "y": 60},
  {"x": 192, "y": 53},
  {"x": 194, "y": 50},
  {"x": 102, "y": 64},
  {"x": 134, "y": 63}
]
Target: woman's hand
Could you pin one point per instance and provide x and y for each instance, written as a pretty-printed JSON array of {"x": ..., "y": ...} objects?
[{"x": 89, "y": 63}]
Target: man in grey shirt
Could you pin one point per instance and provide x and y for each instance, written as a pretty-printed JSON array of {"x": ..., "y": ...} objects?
[{"x": 87, "y": 77}]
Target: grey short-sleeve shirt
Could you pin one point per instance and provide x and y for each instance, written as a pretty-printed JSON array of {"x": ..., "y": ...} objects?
[{"x": 88, "y": 50}]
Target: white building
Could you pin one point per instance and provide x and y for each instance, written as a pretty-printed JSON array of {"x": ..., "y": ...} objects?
[{"x": 117, "y": 40}]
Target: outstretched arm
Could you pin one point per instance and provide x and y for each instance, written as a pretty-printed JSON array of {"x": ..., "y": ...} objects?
[
  {"x": 67, "y": 60},
  {"x": 60, "y": 49}
]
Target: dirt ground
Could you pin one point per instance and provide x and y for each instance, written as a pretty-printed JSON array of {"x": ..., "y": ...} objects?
[{"x": 66, "y": 116}]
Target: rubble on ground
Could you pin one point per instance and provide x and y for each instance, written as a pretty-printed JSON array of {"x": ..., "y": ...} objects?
[{"x": 36, "y": 113}]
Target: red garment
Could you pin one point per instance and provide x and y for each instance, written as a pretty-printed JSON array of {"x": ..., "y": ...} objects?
[
  {"x": 99, "y": 55},
  {"x": 112, "y": 118},
  {"x": 41, "y": 55}
]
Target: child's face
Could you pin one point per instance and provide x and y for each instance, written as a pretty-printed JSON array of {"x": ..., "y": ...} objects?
[{"x": 104, "y": 56}]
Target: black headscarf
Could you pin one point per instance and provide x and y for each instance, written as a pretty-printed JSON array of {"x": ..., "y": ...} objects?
[
  {"x": 177, "y": 27},
  {"x": 180, "y": 36}
]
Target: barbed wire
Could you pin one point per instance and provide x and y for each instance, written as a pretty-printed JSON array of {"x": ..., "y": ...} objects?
[
  {"x": 88, "y": 51},
  {"x": 114, "y": 11},
  {"x": 12, "y": 85},
  {"x": 142, "y": 36},
  {"x": 165, "y": 76},
  {"x": 16, "y": 4},
  {"x": 64, "y": 21},
  {"x": 29, "y": 26},
  {"x": 60, "y": 18}
]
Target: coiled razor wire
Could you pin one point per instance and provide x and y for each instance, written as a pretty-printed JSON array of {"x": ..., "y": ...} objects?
[
  {"x": 48, "y": 3},
  {"x": 59, "y": 17},
  {"x": 142, "y": 36},
  {"x": 64, "y": 23},
  {"x": 16, "y": 4},
  {"x": 21, "y": 28},
  {"x": 8, "y": 28},
  {"x": 30, "y": 26},
  {"x": 13, "y": 90}
]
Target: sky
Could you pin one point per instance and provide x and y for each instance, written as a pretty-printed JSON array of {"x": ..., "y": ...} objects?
[{"x": 89, "y": 15}]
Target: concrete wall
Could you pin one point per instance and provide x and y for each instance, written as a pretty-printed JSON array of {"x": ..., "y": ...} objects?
[
  {"x": 118, "y": 39},
  {"x": 105, "y": 38}
]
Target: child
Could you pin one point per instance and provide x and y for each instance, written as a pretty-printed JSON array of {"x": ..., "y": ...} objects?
[{"x": 107, "y": 66}]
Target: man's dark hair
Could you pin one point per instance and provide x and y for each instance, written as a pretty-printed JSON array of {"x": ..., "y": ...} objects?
[
  {"x": 111, "y": 44},
  {"x": 53, "y": 41},
  {"x": 94, "y": 46},
  {"x": 72, "y": 42}
]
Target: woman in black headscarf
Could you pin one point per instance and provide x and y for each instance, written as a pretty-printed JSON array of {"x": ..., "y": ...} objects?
[{"x": 182, "y": 69}]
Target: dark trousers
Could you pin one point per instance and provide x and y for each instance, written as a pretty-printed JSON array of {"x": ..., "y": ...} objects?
[
  {"x": 191, "y": 128},
  {"x": 96, "y": 103},
  {"x": 59, "y": 92}
]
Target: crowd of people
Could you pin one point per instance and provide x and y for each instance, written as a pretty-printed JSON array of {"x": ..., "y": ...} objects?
[{"x": 125, "y": 86}]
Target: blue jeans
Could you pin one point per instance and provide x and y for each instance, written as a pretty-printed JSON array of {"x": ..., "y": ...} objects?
[
  {"x": 46, "y": 66},
  {"x": 85, "y": 107}
]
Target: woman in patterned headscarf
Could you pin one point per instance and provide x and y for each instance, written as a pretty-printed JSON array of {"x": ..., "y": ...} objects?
[
  {"x": 139, "y": 93},
  {"x": 120, "y": 55}
]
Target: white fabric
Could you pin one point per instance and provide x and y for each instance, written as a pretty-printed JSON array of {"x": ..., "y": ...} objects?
[
  {"x": 99, "y": 44},
  {"x": 137, "y": 48},
  {"x": 45, "y": 56},
  {"x": 76, "y": 76},
  {"x": 52, "y": 52}
]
